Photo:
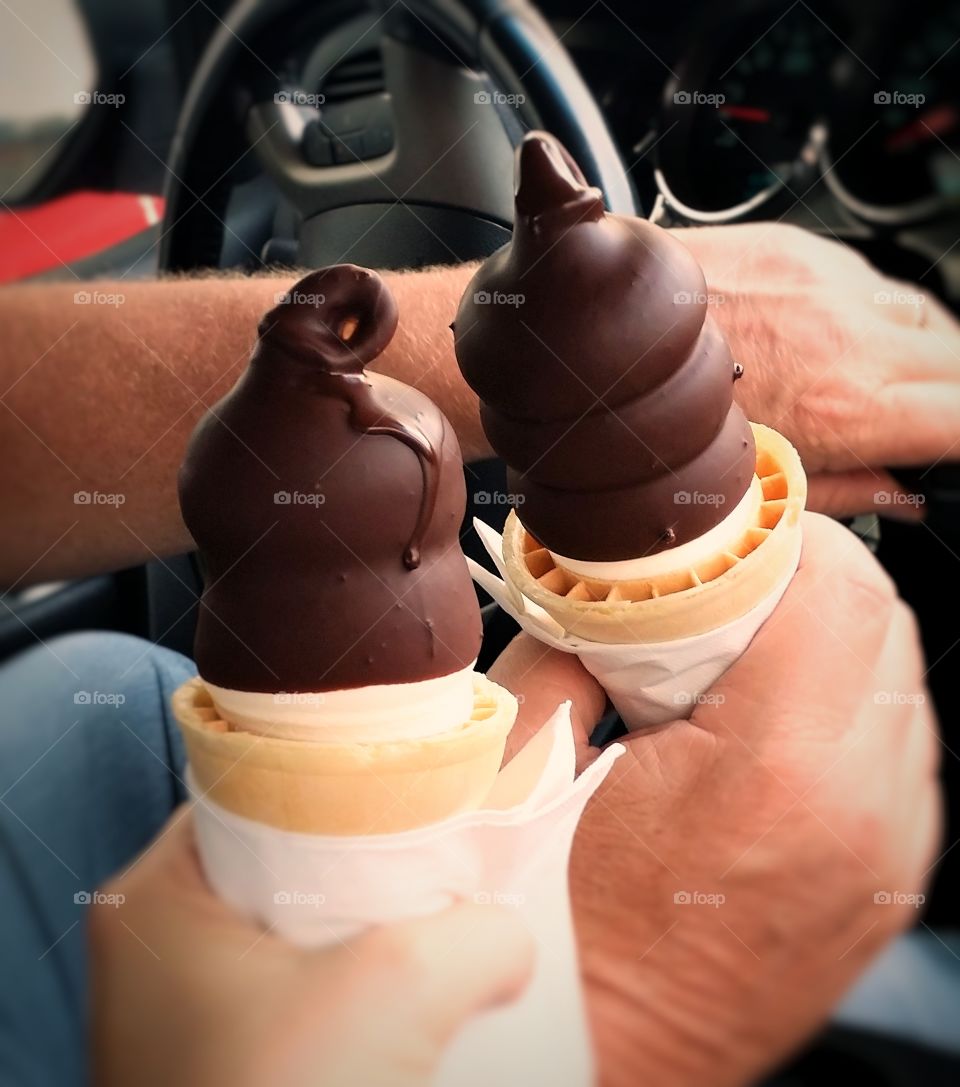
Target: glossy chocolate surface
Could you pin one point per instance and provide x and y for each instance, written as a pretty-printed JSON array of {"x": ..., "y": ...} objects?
[
  {"x": 326, "y": 504},
  {"x": 604, "y": 384}
]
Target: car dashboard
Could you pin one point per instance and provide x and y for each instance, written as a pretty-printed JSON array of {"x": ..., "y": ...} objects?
[{"x": 841, "y": 116}]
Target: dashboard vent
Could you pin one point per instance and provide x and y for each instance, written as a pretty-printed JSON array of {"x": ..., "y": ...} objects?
[{"x": 359, "y": 75}]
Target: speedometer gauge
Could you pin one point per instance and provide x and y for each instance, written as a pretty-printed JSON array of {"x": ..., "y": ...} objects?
[
  {"x": 742, "y": 125},
  {"x": 896, "y": 156}
]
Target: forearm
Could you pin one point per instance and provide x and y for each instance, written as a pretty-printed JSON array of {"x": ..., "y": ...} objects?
[{"x": 101, "y": 398}]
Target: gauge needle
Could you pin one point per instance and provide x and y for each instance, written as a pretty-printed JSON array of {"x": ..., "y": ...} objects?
[
  {"x": 745, "y": 113},
  {"x": 935, "y": 122}
]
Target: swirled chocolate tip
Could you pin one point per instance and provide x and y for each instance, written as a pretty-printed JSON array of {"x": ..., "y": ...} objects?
[
  {"x": 550, "y": 184},
  {"x": 326, "y": 503},
  {"x": 335, "y": 320},
  {"x": 604, "y": 384}
]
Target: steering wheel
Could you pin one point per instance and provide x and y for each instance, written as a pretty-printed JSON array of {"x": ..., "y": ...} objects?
[{"x": 402, "y": 167}]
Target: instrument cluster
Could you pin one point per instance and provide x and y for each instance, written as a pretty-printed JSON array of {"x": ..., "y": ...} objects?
[{"x": 865, "y": 99}]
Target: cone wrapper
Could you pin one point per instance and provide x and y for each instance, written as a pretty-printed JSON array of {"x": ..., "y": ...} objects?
[
  {"x": 318, "y": 890},
  {"x": 651, "y": 683},
  {"x": 657, "y": 650}
]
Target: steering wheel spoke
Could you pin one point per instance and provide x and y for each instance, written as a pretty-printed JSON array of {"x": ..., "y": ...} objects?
[{"x": 418, "y": 172}]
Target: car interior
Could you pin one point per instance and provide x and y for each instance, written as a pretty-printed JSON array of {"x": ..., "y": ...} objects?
[{"x": 287, "y": 133}]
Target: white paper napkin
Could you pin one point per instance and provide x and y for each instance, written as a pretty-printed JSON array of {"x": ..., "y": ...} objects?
[
  {"x": 318, "y": 890},
  {"x": 648, "y": 684}
]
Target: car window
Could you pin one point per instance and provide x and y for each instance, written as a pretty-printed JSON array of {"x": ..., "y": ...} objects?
[{"x": 47, "y": 82}]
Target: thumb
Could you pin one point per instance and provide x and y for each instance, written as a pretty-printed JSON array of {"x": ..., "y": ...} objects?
[
  {"x": 818, "y": 650},
  {"x": 542, "y": 678},
  {"x": 436, "y": 972}
]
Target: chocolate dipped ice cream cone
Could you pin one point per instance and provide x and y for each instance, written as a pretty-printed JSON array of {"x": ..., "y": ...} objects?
[
  {"x": 338, "y": 627},
  {"x": 646, "y": 507}
]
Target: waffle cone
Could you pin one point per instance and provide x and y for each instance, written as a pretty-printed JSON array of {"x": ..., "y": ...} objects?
[
  {"x": 683, "y": 602},
  {"x": 338, "y": 788}
]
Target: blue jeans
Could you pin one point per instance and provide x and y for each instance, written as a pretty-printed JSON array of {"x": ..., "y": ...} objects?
[
  {"x": 90, "y": 762},
  {"x": 90, "y": 769}
]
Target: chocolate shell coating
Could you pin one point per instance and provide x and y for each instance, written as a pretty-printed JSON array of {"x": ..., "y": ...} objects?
[
  {"x": 326, "y": 504},
  {"x": 604, "y": 384}
]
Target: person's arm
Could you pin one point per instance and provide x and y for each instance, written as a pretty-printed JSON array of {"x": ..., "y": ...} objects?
[
  {"x": 102, "y": 398},
  {"x": 99, "y": 397}
]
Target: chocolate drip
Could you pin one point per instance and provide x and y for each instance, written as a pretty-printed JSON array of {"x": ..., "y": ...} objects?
[
  {"x": 604, "y": 384},
  {"x": 330, "y": 554},
  {"x": 369, "y": 416},
  {"x": 358, "y": 317}
]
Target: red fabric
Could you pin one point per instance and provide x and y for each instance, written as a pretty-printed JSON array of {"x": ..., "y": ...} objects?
[{"x": 46, "y": 236}]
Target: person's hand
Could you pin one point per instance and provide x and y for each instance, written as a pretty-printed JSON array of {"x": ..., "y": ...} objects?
[
  {"x": 737, "y": 870},
  {"x": 186, "y": 992},
  {"x": 860, "y": 372}
]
